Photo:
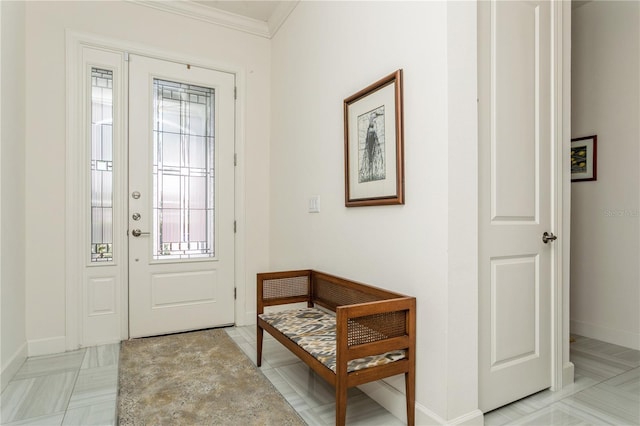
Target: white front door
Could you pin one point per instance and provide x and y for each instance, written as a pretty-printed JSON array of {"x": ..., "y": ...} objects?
[
  {"x": 515, "y": 199},
  {"x": 181, "y": 197}
]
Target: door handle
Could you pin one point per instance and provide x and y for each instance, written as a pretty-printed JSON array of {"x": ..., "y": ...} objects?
[
  {"x": 546, "y": 237},
  {"x": 137, "y": 233}
]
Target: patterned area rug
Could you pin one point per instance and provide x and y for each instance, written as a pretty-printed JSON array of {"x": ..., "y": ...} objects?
[{"x": 197, "y": 378}]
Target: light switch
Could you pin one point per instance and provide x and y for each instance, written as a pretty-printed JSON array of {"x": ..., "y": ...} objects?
[{"x": 314, "y": 204}]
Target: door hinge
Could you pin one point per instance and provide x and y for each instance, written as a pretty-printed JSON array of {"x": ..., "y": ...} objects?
[
  {"x": 235, "y": 92},
  {"x": 126, "y": 56},
  {"x": 235, "y": 293},
  {"x": 235, "y": 227},
  {"x": 235, "y": 159}
]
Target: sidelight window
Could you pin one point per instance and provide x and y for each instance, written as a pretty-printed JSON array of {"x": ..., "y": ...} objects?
[{"x": 101, "y": 165}]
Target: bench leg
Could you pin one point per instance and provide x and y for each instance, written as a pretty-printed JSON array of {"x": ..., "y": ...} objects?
[
  {"x": 410, "y": 391},
  {"x": 259, "y": 335},
  {"x": 341, "y": 404}
]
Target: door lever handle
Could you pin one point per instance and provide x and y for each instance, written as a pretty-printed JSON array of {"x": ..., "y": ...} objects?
[
  {"x": 137, "y": 233},
  {"x": 546, "y": 237}
]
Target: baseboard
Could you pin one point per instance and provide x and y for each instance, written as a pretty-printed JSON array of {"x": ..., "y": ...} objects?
[
  {"x": 12, "y": 367},
  {"x": 387, "y": 396},
  {"x": 52, "y": 345},
  {"x": 606, "y": 334},
  {"x": 394, "y": 401},
  {"x": 568, "y": 374},
  {"x": 100, "y": 343},
  {"x": 424, "y": 416},
  {"x": 473, "y": 418}
]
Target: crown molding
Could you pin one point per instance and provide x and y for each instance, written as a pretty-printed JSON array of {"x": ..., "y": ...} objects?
[
  {"x": 280, "y": 15},
  {"x": 223, "y": 18}
]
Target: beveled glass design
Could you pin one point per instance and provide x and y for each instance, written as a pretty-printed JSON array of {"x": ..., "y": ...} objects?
[
  {"x": 101, "y": 165},
  {"x": 183, "y": 171}
]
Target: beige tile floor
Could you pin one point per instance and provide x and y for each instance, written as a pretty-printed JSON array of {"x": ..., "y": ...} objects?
[{"x": 80, "y": 388}]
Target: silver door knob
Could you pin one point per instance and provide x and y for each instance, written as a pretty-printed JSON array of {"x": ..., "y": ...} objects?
[
  {"x": 137, "y": 233},
  {"x": 546, "y": 237}
]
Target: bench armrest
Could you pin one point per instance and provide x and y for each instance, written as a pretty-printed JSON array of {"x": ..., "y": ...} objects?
[{"x": 373, "y": 328}]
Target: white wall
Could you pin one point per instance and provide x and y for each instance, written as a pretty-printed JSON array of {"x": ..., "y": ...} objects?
[
  {"x": 45, "y": 146},
  {"x": 12, "y": 189},
  {"x": 325, "y": 52},
  {"x": 605, "y": 227}
]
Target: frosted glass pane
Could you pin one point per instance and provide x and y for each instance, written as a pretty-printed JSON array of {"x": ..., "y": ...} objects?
[
  {"x": 197, "y": 193},
  {"x": 170, "y": 149},
  {"x": 107, "y": 189},
  {"x": 170, "y": 225},
  {"x": 107, "y": 225},
  {"x": 96, "y": 228},
  {"x": 107, "y": 143},
  {"x": 197, "y": 225},
  {"x": 197, "y": 119},
  {"x": 170, "y": 192},
  {"x": 170, "y": 116},
  {"x": 96, "y": 141},
  {"x": 96, "y": 190},
  {"x": 197, "y": 152}
]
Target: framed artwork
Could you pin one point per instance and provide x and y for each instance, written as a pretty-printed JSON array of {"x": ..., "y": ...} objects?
[
  {"x": 373, "y": 144},
  {"x": 584, "y": 158}
]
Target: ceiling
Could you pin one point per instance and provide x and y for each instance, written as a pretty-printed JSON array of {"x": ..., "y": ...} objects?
[
  {"x": 263, "y": 10},
  {"x": 577, "y": 3},
  {"x": 260, "y": 10},
  {"x": 259, "y": 17}
]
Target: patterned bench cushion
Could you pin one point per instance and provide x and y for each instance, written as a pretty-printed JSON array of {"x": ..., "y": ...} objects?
[{"x": 315, "y": 332}]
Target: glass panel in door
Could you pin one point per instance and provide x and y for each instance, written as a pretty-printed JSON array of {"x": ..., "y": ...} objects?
[{"x": 183, "y": 171}]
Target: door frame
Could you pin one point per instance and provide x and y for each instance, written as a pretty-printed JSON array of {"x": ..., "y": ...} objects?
[
  {"x": 561, "y": 366},
  {"x": 76, "y": 200}
]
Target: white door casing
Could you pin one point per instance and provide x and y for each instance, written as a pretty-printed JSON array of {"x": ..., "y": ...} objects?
[
  {"x": 171, "y": 295},
  {"x": 515, "y": 200}
]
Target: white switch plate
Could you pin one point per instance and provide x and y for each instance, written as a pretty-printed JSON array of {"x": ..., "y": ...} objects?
[{"x": 314, "y": 204}]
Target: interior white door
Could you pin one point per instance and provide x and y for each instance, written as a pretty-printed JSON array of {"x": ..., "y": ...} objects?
[
  {"x": 181, "y": 197},
  {"x": 515, "y": 200}
]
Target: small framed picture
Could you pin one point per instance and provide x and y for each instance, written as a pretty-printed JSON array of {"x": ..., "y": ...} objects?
[
  {"x": 584, "y": 158},
  {"x": 373, "y": 144}
]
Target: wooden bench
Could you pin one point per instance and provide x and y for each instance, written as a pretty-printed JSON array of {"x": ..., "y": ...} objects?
[{"x": 350, "y": 333}]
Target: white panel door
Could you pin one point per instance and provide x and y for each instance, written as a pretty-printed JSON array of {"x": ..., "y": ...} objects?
[
  {"x": 181, "y": 197},
  {"x": 515, "y": 188}
]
